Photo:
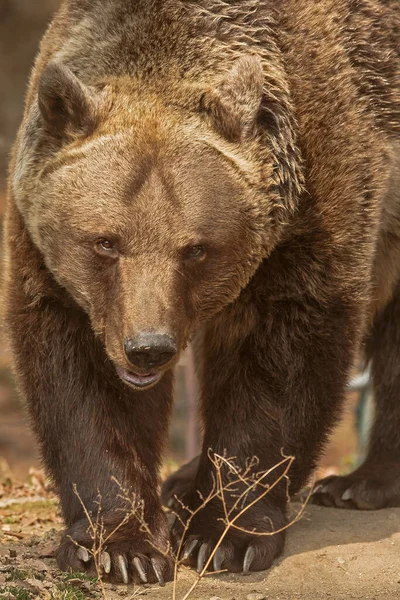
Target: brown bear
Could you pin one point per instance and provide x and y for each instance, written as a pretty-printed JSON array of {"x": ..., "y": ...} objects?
[{"x": 224, "y": 172}]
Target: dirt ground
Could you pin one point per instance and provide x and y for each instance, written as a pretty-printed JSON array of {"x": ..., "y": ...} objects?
[{"x": 330, "y": 554}]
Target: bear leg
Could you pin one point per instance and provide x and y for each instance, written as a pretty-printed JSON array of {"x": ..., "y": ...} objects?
[
  {"x": 274, "y": 369},
  {"x": 238, "y": 429},
  {"x": 101, "y": 441},
  {"x": 376, "y": 483}
]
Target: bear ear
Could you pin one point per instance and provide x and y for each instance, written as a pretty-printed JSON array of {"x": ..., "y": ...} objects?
[
  {"x": 64, "y": 102},
  {"x": 234, "y": 103}
]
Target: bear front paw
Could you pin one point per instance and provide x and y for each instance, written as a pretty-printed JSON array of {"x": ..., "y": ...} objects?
[
  {"x": 252, "y": 543},
  {"x": 126, "y": 557}
]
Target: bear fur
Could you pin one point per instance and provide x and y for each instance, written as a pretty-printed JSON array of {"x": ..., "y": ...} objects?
[{"x": 224, "y": 172}]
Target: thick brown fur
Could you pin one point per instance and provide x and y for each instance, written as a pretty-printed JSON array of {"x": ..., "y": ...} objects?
[{"x": 267, "y": 134}]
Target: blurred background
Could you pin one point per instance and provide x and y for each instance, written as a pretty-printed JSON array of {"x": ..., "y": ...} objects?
[{"x": 22, "y": 23}]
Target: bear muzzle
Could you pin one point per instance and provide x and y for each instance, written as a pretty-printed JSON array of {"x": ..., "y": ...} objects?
[{"x": 147, "y": 352}]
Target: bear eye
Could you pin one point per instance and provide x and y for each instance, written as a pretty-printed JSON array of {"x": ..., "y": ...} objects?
[
  {"x": 195, "y": 251},
  {"x": 105, "y": 246}
]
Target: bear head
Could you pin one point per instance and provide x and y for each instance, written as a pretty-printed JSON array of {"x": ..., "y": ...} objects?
[{"x": 152, "y": 215}]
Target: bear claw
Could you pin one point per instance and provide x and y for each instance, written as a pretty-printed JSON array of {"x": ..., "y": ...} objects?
[
  {"x": 347, "y": 495},
  {"x": 202, "y": 557},
  {"x": 189, "y": 548},
  {"x": 248, "y": 560},
  {"x": 106, "y": 562},
  {"x": 83, "y": 554},
  {"x": 219, "y": 558},
  {"x": 140, "y": 569},
  {"x": 123, "y": 568},
  {"x": 158, "y": 571}
]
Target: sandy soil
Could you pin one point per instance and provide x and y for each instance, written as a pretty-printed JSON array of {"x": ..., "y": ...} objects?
[{"x": 330, "y": 554}]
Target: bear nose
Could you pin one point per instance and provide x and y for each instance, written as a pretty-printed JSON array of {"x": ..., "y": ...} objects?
[{"x": 150, "y": 350}]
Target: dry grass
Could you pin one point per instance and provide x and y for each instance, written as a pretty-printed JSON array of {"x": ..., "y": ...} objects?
[{"x": 248, "y": 479}]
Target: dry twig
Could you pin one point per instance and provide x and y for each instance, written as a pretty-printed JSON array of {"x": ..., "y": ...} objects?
[{"x": 247, "y": 477}]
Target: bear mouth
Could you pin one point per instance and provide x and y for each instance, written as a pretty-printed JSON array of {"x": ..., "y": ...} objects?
[{"x": 138, "y": 380}]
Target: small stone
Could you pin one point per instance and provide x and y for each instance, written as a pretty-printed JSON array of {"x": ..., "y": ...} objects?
[
  {"x": 256, "y": 597},
  {"x": 215, "y": 598},
  {"x": 33, "y": 541},
  {"x": 35, "y": 584},
  {"x": 342, "y": 564}
]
